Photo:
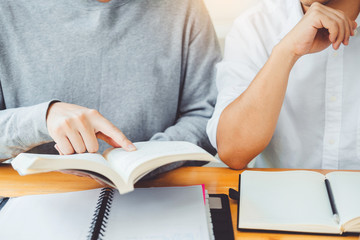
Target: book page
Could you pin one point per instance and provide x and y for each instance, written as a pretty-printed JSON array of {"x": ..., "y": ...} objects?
[
  {"x": 53, "y": 216},
  {"x": 27, "y": 163},
  {"x": 126, "y": 162},
  {"x": 91, "y": 164},
  {"x": 346, "y": 189},
  {"x": 287, "y": 201},
  {"x": 158, "y": 213}
]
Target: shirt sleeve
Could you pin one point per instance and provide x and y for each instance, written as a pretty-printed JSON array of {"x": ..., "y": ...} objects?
[
  {"x": 244, "y": 56},
  {"x": 22, "y": 128},
  {"x": 198, "y": 93}
]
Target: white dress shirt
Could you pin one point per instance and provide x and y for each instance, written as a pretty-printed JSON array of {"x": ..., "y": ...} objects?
[{"x": 319, "y": 123}]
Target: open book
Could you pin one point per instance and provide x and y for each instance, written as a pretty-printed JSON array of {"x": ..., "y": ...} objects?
[
  {"x": 299, "y": 201},
  {"x": 116, "y": 167}
]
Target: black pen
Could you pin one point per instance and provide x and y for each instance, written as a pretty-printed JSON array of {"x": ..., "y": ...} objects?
[
  {"x": 332, "y": 201},
  {"x": 3, "y": 201}
]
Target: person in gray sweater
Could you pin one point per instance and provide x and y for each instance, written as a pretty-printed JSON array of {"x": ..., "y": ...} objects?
[{"x": 73, "y": 72}]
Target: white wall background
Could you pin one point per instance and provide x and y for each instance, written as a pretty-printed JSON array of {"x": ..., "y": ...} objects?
[{"x": 224, "y": 12}]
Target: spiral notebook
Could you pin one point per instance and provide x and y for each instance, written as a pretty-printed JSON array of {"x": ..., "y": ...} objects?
[{"x": 148, "y": 213}]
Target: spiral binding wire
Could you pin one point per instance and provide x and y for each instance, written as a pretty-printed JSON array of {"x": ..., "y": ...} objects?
[{"x": 101, "y": 214}]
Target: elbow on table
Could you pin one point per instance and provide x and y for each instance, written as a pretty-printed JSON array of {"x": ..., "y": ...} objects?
[
  {"x": 233, "y": 161},
  {"x": 239, "y": 157}
]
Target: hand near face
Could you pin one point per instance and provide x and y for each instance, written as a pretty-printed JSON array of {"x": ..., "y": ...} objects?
[
  {"x": 75, "y": 129},
  {"x": 321, "y": 27}
]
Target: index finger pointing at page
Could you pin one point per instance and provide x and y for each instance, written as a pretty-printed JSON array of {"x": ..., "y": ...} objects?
[{"x": 113, "y": 135}]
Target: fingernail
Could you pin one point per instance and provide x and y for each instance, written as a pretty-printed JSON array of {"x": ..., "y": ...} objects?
[{"x": 131, "y": 147}]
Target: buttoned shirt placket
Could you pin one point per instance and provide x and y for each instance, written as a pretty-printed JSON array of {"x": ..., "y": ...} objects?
[{"x": 333, "y": 108}]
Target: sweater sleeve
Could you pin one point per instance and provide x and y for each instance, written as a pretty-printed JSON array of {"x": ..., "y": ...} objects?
[
  {"x": 198, "y": 90},
  {"x": 22, "y": 128}
]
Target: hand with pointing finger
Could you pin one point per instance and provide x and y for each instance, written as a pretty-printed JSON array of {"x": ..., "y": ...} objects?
[{"x": 75, "y": 129}]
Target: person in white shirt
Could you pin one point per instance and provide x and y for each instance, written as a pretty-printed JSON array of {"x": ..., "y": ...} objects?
[{"x": 289, "y": 87}]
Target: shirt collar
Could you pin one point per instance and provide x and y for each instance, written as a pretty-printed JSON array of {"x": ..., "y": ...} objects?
[{"x": 295, "y": 15}]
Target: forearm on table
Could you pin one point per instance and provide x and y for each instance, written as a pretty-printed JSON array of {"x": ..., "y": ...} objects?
[{"x": 246, "y": 126}]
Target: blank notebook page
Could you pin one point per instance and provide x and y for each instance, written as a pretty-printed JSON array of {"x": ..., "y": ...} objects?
[
  {"x": 286, "y": 199},
  {"x": 53, "y": 216},
  {"x": 345, "y": 186},
  {"x": 158, "y": 213}
]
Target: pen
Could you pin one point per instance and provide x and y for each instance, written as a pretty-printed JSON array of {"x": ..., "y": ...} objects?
[
  {"x": 3, "y": 201},
  {"x": 332, "y": 201}
]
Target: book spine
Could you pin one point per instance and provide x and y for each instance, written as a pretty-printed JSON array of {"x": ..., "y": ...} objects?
[{"x": 101, "y": 214}]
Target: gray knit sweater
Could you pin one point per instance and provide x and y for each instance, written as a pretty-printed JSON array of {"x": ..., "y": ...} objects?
[{"x": 146, "y": 65}]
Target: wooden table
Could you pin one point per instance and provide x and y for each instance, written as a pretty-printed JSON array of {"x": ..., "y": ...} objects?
[{"x": 216, "y": 180}]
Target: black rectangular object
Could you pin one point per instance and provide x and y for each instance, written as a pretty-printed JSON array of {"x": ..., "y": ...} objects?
[{"x": 221, "y": 218}]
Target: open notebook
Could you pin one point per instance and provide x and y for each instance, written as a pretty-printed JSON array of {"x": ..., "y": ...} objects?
[
  {"x": 299, "y": 201},
  {"x": 148, "y": 213}
]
